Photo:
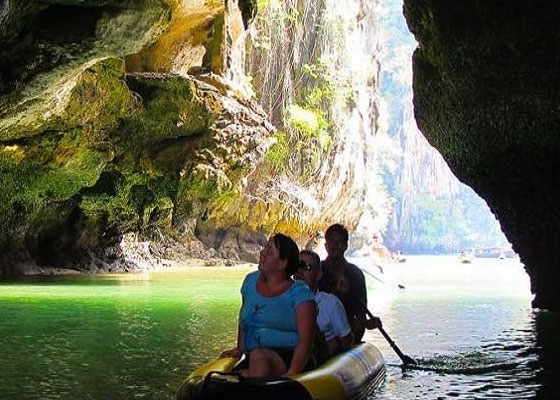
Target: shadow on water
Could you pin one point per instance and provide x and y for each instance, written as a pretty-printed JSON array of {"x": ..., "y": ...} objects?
[
  {"x": 522, "y": 363},
  {"x": 548, "y": 350}
]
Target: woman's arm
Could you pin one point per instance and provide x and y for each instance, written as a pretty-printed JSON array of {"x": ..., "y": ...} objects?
[
  {"x": 306, "y": 314},
  {"x": 237, "y": 351}
]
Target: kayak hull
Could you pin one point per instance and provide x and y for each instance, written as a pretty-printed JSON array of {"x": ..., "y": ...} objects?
[{"x": 354, "y": 373}]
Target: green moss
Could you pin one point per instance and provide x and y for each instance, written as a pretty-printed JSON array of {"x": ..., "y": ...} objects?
[
  {"x": 94, "y": 97},
  {"x": 213, "y": 58},
  {"x": 87, "y": 150},
  {"x": 137, "y": 202},
  {"x": 54, "y": 167},
  {"x": 43, "y": 71},
  {"x": 32, "y": 186},
  {"x": 171, "y": 110},
  {"x": 305, "y": 121},
  {"x": 278, "y": 154},
  {"x": 99, "y": 99},
  {"x": 298, "y": 149}
]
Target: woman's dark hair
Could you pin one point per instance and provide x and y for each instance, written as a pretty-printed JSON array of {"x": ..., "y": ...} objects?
[{"x": 287, "y": 250}]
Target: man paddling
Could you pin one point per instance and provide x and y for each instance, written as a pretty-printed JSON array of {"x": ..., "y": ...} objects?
[{"x": 347, "y": 281}]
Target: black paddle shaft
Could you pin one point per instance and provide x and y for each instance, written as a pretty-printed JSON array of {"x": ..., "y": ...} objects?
[{"x": 405, "y": 359}]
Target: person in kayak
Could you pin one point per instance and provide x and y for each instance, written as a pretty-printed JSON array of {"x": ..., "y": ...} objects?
[
  {"x": 277, "y": 316},
  {"x": 379, "y": 252},
  {"x": 346, "y": 281},
  {"x": 331, "y": 316}
]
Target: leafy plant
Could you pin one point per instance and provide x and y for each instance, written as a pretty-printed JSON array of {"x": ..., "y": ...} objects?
[{"x": 278, "y": 154}]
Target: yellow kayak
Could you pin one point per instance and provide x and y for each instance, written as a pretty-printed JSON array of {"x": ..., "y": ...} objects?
[{"x": 354, "y": 373}]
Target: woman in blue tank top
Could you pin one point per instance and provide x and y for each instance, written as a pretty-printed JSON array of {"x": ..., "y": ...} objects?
[{"x": 277, "y": 316}]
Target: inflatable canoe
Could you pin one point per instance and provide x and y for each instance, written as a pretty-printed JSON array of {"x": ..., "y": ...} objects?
[{"x": 354, "y": 373}]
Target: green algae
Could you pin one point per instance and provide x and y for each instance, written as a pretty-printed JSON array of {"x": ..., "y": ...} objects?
[
  {"x": 172, "y": 109},
  {"x": 49, "y": 63},
  {"x": 89, "y": 153}
]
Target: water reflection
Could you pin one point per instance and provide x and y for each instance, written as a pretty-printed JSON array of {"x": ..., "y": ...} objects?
[
  {"x": 480, "y": 340},
  {"x": 506, "y": 368},
  {"x": 116, "y": 337}
]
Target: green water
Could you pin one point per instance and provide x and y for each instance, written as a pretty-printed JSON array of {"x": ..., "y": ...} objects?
[
  {"x": 137, "y": 336},
  {"x": 125, "y": 337}
]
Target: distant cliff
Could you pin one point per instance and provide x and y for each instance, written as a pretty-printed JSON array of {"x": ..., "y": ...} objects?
[{"x": 433, "y": 211}]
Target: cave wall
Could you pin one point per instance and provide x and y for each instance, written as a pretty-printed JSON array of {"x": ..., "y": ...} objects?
[
  {"x": 486, "y": 95},
  {"x": 99, "y": 141}
]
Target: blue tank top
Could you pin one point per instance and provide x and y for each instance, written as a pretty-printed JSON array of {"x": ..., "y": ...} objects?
[{"x": 270, "y": 321}]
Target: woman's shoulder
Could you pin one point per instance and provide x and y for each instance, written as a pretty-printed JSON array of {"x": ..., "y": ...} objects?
[
  {"x": 250, "y": 279},
  {"x": 301, "y": 292},
  {"x": 253, "y": 275}
]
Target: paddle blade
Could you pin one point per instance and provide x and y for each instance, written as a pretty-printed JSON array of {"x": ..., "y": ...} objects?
[{"x": 408, "y": 360}]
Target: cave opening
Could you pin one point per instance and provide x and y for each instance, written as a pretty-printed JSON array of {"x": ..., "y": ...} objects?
[
  {"x": 55, "y": 245},
  {"x": 433, "y": 212}
]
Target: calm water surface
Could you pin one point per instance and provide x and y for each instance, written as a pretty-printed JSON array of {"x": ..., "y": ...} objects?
[{"x": 470, "y": 327}]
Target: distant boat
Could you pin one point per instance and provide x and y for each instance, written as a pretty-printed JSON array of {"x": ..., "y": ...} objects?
[
  {"x": 466, "y": 257},
  {"x": 494, "y": 252}
]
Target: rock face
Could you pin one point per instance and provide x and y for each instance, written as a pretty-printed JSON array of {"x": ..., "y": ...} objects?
[
  {"x": 316, "y": 74},
  {"x": 486, "y": 84},
  {"x": 90, "y": 152},
  {"x": 128, "y": 120}
]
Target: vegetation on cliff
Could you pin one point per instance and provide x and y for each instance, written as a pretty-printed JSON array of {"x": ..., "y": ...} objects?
[
  {"x": 313, "y": 69},
  {"x": 89, "y": 153}
]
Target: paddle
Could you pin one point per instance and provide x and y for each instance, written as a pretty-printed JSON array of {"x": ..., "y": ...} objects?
[
  {"x": 365, "y": 271},
  {"x": 405, "y": 359}
]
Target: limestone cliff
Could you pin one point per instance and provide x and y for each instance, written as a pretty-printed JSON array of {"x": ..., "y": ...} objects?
[
  {"x": 486, "y": 84},
  {"x": 315, "y": 72},
  {"x": 91, "y": 151}
]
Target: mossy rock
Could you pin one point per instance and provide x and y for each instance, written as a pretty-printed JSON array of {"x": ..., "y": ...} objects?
[
  {"x": 44, "y": 48},
  {"x": 88, "y": 153}
]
